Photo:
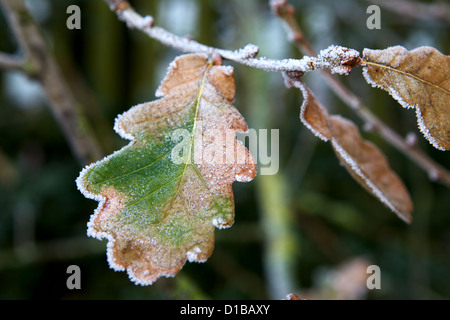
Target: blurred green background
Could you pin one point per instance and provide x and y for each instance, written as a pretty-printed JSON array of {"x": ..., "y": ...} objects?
[{"x": 309, "y": 230}]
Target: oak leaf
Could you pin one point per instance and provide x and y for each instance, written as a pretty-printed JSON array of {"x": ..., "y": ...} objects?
[
  {"x": 362, "y": 159},
  {"x": 163, "y": 194},
  {"x": 417, "y": 79}
]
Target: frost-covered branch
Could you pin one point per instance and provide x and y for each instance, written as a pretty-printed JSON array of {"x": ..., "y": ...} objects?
[
  {"x": 435, "y": 171},
  {"x": 337, "y": 59}
]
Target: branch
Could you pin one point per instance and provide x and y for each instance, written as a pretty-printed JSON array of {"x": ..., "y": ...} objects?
[
  {"x": 11, "y": 62},
  {"x": 337, "y": 59},
  {"x": 39, "y": 63},
  {"x": 435, "y": 171}
]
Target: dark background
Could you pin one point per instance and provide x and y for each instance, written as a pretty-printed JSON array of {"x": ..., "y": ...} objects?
[{"x": 310, "y": 229}]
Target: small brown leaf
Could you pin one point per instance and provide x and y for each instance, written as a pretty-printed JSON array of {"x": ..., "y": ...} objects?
[
  {"x": 363, "y": 160},
  {"x": 417, "y": 79}
]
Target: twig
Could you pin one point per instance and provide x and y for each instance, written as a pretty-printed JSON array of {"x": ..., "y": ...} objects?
[
  {"x": 331, "y": 58},
  {"x": 39, "y": 63},
  {"x": 435, "y": 171}
]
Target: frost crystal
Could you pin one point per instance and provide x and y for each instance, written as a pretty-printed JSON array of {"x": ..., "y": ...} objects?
[
  {"x": 249, "y": 51},
  {"x": 192, "y": 254}
]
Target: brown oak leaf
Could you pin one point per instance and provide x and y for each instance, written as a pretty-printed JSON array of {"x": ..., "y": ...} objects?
[
  {"x": 362, "y": 159},
  {"x": 417, "y": 79}
]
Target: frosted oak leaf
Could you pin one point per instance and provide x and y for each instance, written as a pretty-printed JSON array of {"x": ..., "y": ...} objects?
[
  {"x": 417, "y": 79},
  {"x": 158, "y": 213},
  {"x": 362, "y": 159}
]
